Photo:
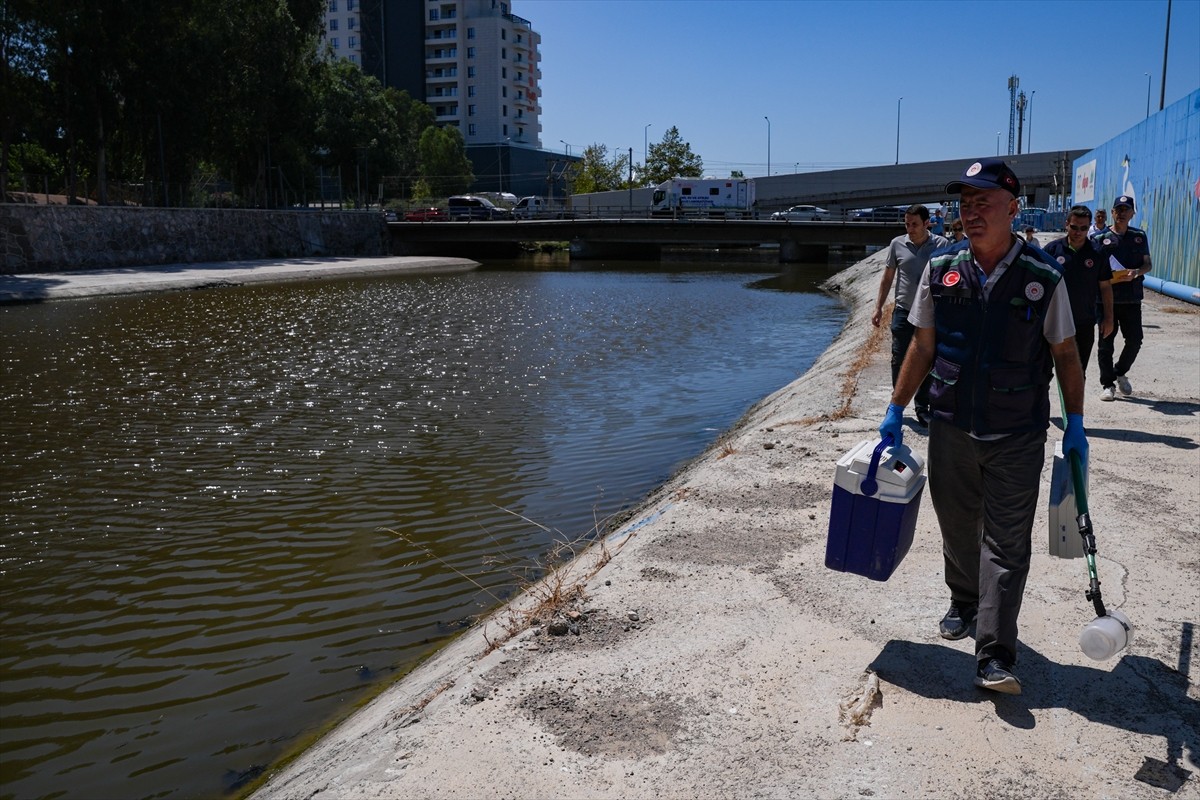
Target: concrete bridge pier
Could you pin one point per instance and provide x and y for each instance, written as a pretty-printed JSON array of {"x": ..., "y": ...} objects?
[{"x": 794, "y": 252}]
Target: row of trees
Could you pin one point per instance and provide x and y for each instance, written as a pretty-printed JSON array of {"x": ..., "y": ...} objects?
[
  {"x": 127, "y": 97},
  {"x": 597, "y": 171},
  {"x": 108, "y": 93}
]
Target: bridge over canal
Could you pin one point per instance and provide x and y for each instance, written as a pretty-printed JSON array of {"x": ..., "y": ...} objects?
[{"x": 636, "y": 238}]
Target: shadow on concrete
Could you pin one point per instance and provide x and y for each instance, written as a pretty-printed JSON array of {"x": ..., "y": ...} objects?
[{"x": 1138, "y": 694}]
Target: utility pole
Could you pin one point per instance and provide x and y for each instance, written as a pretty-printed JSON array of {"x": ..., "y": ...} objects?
[
  {"x": 1013, "y": 83},
  {"x": 1162, "y": 92}
]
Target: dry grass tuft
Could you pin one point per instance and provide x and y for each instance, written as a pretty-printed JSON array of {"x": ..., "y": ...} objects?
[
  {"x": 549, "y": 586},
  {"x": 726, "y": 449}
]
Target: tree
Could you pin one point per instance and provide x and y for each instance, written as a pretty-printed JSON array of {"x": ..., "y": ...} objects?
[
  {"x": 672, "y": 158},
  {"x": 443, "y": 161},
  {"x": 595, "y": 172}
]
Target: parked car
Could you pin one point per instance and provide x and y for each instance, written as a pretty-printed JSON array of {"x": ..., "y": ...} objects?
[
  {"x": 469, "y": 206},
  {"x": 809, "y": 213},
  {"x": 534, "y": 207},
  {"x": 425, "y": 215},
  {"x": 389, "y": 215}
]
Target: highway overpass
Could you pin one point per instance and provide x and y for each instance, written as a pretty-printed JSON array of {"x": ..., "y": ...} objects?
[{"x": 1042, "y": 175}]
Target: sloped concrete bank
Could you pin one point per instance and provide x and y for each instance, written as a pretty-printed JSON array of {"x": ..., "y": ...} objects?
[{"x": 716, "y": 656}]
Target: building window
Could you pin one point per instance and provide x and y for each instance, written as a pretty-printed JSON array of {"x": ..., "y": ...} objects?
[
  {"x": 504, "y": 111},
  {"x": 504, "y": 52},
  {"x": 471, "y": 129},
  {"x": 353, "y": 58},
  {"x": 334, "y": 43},
  {"x": 470, "y": 33},
  {"x": 504, "y": 91},
  {"x": 351, "y": 23},
  {"x": 333, "y": 5},
  {"x": 333, "y": 24},
  {"x": 471, "y": 110},
  {"x": 505, "y": 130},
  {"x": 504, "y": 72},
  {"x": 470, "y": 52},
  {"x": 471, "y": 90},
  {"x": 470, "y": 72},
  {"x": 433, "y": 15},
  {"x": 503, "y": 34},
  {"x": 352, "y": 42},
  {"x": 350, "y": 4}
]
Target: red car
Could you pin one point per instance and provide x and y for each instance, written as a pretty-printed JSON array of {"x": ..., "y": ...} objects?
[{"x": 425, "y": 215}]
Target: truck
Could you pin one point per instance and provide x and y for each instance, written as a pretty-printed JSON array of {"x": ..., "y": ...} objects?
[{"x": 713, "y": 197}]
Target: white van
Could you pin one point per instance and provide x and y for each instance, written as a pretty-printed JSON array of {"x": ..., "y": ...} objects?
[{"x": 534, "y": 207}]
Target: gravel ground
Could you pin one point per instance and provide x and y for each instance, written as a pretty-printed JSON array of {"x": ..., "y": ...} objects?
[{"x": 711, "y": 654}]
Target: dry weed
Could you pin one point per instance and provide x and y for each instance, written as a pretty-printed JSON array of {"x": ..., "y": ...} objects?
[{"x": 549, "y": 586}]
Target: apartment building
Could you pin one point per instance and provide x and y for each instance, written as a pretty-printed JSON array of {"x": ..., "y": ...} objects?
[{"x": 473, "y": 61}]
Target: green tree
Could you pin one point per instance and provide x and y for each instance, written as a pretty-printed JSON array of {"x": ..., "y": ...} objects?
[
  {"x": 443, "y": 161},
  {"x": 357, "y": 129},
  {"x": 672, "y": 158},
  {"x": 596, "y": 172},
  {"x": 413, "y": 118}
]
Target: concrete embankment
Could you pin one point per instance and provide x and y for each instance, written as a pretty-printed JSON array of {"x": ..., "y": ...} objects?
[
  {"x": 36, "y": 287},
  {"x": 711, "y": 653}
]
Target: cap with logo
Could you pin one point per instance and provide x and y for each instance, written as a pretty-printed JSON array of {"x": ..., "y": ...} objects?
[
  {"x": 1124, "y": 200},
  {"x": 987, "y": 173}
]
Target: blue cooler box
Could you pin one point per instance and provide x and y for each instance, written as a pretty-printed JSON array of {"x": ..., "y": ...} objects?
[{"x": 876, "y": 495}]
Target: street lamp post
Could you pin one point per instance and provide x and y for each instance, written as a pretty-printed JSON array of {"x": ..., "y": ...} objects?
[
  {"x": 1147, "y": 95},
  {"x": 898, "y": 131},
  {"x": 768, "y": 119},
  {"x": 568, "y": 147},
  {"x": 997, "y": 144},
  {"x": 646, "y": 142}
]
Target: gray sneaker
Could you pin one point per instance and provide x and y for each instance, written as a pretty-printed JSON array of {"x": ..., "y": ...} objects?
[
  {"x": 997, "y": 676},
  {"x": 1123, "y": 385},
  {"x": 1108, "y": 394}
]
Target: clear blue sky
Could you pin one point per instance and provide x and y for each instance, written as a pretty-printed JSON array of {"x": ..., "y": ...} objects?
[{"x": 828, "y": 74}]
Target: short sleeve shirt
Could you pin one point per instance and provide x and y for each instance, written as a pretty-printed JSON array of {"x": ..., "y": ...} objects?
[
  {"x": 1057, "y": 327},
  {"x": 1084, "y": 270},
  {"x": 910, "y": 260},
  {"x": 1124, "y": 251}
]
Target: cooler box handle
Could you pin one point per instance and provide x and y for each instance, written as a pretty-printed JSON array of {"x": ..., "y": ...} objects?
[{"x": 869, "y": 485}]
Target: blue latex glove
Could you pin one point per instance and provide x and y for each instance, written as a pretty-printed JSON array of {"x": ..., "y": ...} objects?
[
  {"x": 893, "y": 423},
  {"x": 1074, "y": 439}
]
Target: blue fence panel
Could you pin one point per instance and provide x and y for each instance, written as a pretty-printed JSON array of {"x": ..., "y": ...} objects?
[{"x": 1158, "y": 163}]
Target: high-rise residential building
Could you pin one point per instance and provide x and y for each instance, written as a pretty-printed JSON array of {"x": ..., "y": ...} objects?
[{"x": 473, "y": 61}]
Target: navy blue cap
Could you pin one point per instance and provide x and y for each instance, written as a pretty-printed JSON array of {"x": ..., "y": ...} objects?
[
  {"x": 987, "y": 173},
  {"x": 1124, "y": 200}
]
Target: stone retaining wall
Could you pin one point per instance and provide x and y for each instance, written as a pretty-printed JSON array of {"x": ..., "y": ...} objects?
[{"x": 47, "y": 238}]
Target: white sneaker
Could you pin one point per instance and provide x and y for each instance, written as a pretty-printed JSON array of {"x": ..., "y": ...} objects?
[
  {"x": 1123, "y": 385},
  {"x": 1108, "y": 394}
]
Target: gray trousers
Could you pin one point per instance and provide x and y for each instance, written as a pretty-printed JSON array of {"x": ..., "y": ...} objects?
[{"x": 985, "y": 495}]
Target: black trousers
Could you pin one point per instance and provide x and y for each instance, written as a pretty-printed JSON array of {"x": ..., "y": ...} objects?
[
  {"x": 1127, "y": 320},
  {"x": 902, "y": 335},
  {"x": 986, "y": 496}
]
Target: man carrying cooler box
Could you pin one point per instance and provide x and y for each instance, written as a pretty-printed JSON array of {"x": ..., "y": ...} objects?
[{"x": 993, "y": 322}]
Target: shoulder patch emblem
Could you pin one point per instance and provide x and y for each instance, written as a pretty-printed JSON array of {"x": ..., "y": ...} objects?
[
  {"x": 1034, "y": 291},
  {"x": 1107, "y": 242},
  {"x": 951, "y": 278},
  {"x": 1089, "y": 263},
  {"x": 1062, "y": 259},
  {"x": 1138, "y": 239}
]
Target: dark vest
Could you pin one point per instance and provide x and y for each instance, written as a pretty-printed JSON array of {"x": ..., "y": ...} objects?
[{"x": 992, "y": 369}]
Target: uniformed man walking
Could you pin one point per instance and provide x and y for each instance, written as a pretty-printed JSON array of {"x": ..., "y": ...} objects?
[{"x": 993, "y": 321}]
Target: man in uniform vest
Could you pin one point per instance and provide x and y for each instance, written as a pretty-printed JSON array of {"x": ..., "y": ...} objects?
[
  {"x": 1089, "y": 282},
  {"x": 993, "y": 322},
  {"x": 1127, "y": 251}
]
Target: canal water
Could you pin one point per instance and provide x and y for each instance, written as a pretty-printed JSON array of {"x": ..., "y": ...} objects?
[{"x": 230, "y": 516}]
